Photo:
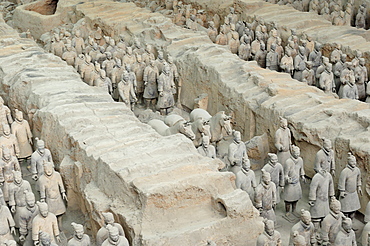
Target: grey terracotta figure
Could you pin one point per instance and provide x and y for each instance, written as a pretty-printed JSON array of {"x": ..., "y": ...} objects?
[
  {"x": 79, "y": 237},
  {"x": 346, "y": 236},
  {"x": 17, "y": 197},
  {"x": 38, "y": 158},
  {"x": 283, "y": 141},
  {"x": 361, "y": 77},
  {"x": 331, "y": 224},
  {"x": 126, "y": 91},
  {"x": 305, "y": 228},
  {"x": 244, "y": 51},
  {"x": 234, "y": 43},
  {"x": 299, "y": 63},
  {"x": 104, "y": 82},
  {"x": 308, "y": 75},
  {"x": 212, "y": 31},
  {"x": 272, "y": 39},
  {"x": 298, "y": 240},
  {"x": 9, "y": 141},
  {"x": 78, "y": 43},
  {"x": 108, "y": 64},
  {"x": 270, "y": 236},
  {"x": 336, "y": 54},
  {"x": 52, "y": 190},
  {"x": 272, "y": 58},
  {"x": 45, "y": 239},
  {"x": 87, "y": 70},
  {"x": 246, "y": 179},
  {"x": 260, "y": 56},
  {"x": 321, "y": 191},
  {"x": 21, "y": 130},
  {"x": 286, "y": 63},
  {"x": 138, "y": 69},
  {"x": 26, "y": 215},
  {"x": 7, "y": 225},
  {"x": 360, "y": 21},
  {"x": 315, "y": 56},
  {"x": 151, "y": 75},
  {"x": 69, "y": 55},
  {"x": 237, "y": 153},
  {"x": 325, "y": 158},
  {"x": 206, "y": 149},
  {"x": 349, "y": 186},
  {"x": 45, "y": 221},
  {"x": 293, "y": 173},
  {"x": 337, "y": 70},
  {"x": 366, "y": 230},
  {"x": 8, "y": 164},
  {"x": 116, "y": 78},
  {"x": 159, "y": 62},
  {"x": 5, "y": 115},
  {"x": 57, "y": 47},
  {"x": 166, "y": 90},
  {"x": 79, "y": 62},
  {"x": 265, "y": 197},
  {"x": 326, "y": 80},
  {"x": 277, "y": 174},
  {"x": 349, "y": 90},
  {"x": 103, "y": 232},
  {"x": 114, "y": 238}
]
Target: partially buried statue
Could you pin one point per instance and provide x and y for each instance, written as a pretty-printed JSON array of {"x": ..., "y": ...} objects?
[
  {"x": 270, "y": 236},
  {"x": 114, "y": 238},
  {"x": 206, "y": 149},
  {"x": 304, "y": 228},
  {"x": 79, "y": 237},
  {"x": 237, "y": 152},
  {"x": 103, "y": 232}
]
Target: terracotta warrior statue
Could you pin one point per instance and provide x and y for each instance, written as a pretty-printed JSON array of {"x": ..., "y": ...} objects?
[
  {"x": 38, "y": 158},
  {"x": 346, "y": 236},
  {"x": 45, "y": 239},
  {"x": 114, "y": 238},
  {"x": 9, "y": 141},
  {"x": 265, "y": 197},
  {"x": 206, "y": 149},
  {"x": 17, "y": 197},
  {"x": 151, "y": 75},
  {"x": 166, "y": 90},
  {"x": 272, "y": 59},
  {"x": 283, "y": 142},
  {"x": 349, "y": 186},
  {"x": 21, "y": 130},
  {"x": 286, "y": 63},
  {"x": 277, "y": 174},
  {"x": 246, "y": 179},
  {"x": 8, "y": 164},
  {"x": 321, "y": 190},
  {"x": 46, "y": 222},
  {"x": 52, "y": 190},
  {"x": 299, "y": 63},
  {"x": 69, "y": 55},
  {"x": 326, "y": 80},
  {"x": 293, "y": 173},
  {"x": 237, "y": 153},
  {"x": 331, "y": 224},
  {"x": 126, "y": 91},
  {"x": 26, "y": 215},
  {"x": 103, "y": 232},
  {"x": 79, "y": 237},
  {"x": 7, "y": 225},
  {"x": 5, "y": 116},
  {"x": 304, "y": 228},
  {"x": 325, "y": 158},
  {"x": 270, "y": 236},
  {"x": 361, "y": 79},
  {"x": 308, "y": 75}
]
